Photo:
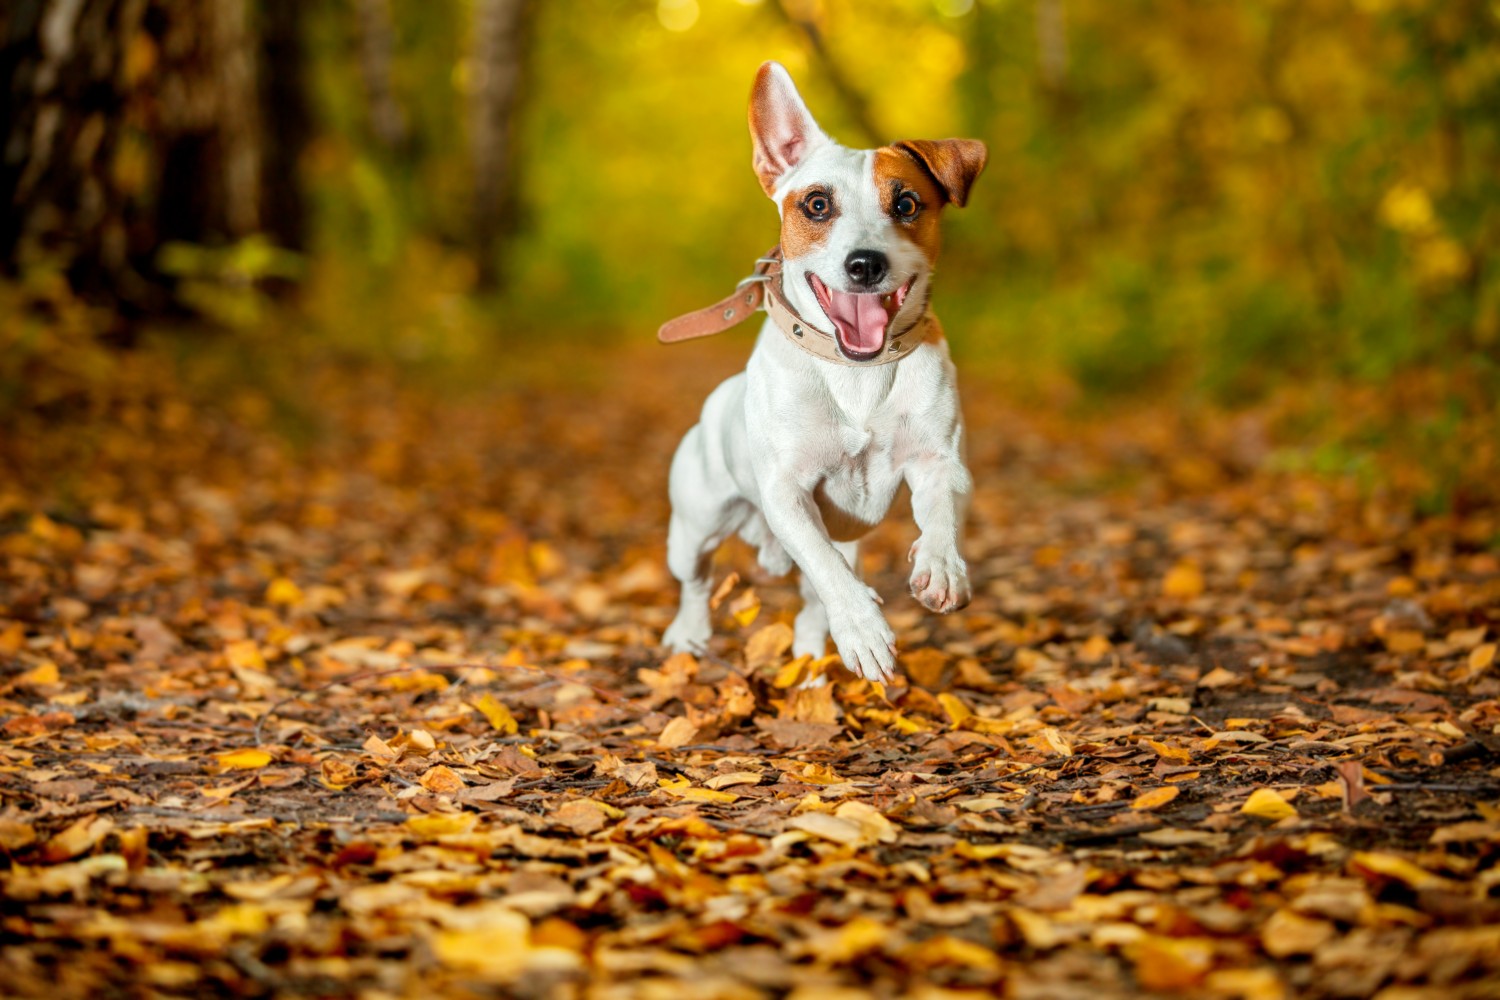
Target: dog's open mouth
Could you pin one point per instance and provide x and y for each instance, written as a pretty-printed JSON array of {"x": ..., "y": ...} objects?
[{"x": 861, "y": 319}]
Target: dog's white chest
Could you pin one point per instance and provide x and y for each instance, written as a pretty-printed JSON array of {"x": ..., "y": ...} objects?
[
  {"x": 858, "y": 483},
  {"x": 855, "y": 440}
]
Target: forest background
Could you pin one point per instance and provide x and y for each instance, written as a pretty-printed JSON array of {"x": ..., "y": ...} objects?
[{"x": 1290, "y": 206}]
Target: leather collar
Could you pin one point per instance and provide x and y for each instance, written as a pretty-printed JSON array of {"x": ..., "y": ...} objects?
[{"x": 762, "y": 289}]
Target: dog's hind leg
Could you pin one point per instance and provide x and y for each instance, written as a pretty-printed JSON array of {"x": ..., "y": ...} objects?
[
  {"x": 689, "y": 556},
  {"x": 703, "y": 515}
]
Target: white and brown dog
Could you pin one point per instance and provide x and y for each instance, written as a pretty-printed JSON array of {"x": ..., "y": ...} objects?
[{"x": 848, "y": 393}]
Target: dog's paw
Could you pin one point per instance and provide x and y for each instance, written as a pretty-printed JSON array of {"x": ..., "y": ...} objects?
[
  {"x": 865, "y": 642},
  {"x": 939, "y": 582},
  {"x": 688, "y": 635}
]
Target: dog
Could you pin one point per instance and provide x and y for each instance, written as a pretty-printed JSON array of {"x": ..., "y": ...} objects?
[{"x": 848, "y": 393}]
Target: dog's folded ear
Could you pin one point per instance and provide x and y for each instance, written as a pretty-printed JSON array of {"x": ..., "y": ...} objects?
[
  {"x": 782, "y": 130},
  {"x": 952, "y": 163}
]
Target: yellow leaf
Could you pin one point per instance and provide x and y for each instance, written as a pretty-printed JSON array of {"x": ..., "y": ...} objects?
[
  {"x": 1183, "y": 581},
  {"x": 1094, "y": 649},
  {"x": 768, "y": 645},
  {"x": 497, "y": 948},
  {"x": 980, "y": 852},
  {"x": 499, "y": 716},
  {"x": 1171, "y": 965},
  {"x": 683, "y": 789},
  {"x": 1170, "y": 753},
  {"x": 14, "y": 834},
  {"x": 244, "y": 760},
  {"x": 945, "y": 949},
  {"x": 1405, "y": 641},
  {"x": 858, "y": 937},
  {"x": 745, "y": 608},
  {"x": 78, "y": 838},
  {"x": 1156, "y": 798},
  {"x": 1480, "y": 657},
  {"x": 1266, "y": 803},
  {"x": 792, "y": 673},
  {"x": 902, "y": 724},
  {"x": 283, "y": 591},
  {"x": 819, "y": 774},
  {"x": 957, "y": 711},
  {"x": 432, "y": 825},
  {"x": 1391, "y": 866},
  {"x": 245, "y": 654},
  {"x": 44, "y": 674},
  {"x": 1050, "y": 739},
  {"x": 1246, "y": 984}
]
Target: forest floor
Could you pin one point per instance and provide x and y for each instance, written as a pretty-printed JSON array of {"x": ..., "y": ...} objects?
[{"x": 379, "y": 709}]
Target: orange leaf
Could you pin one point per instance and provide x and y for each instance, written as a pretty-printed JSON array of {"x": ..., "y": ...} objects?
[{"x": 1156, "y": 798}]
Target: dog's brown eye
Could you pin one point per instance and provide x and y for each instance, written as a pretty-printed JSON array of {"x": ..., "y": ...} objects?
[
  {"x": 817, "y": 206},
  {"x": 907, "y": 205}
]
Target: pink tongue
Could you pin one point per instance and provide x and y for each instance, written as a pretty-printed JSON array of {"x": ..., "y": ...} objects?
[{"x": 861, "y": 320}]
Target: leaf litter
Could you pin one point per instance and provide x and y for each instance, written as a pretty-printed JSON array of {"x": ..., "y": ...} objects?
[{"x": 386, "y": 715}]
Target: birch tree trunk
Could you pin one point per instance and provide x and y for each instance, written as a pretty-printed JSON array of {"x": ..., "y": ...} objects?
[{"x": 496, "y": 63}]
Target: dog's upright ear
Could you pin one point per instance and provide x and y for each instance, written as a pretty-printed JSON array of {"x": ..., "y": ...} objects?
[
  {"x": 782, "y": 130},
  {"x": 952, "y": 163}
]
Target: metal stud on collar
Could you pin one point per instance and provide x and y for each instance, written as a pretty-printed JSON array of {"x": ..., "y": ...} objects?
[
  {"x": 797, "y": 329},
  {"x": 729, "y": 313}
]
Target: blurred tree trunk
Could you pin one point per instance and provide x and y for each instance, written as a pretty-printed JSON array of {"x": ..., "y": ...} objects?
[
  {"x": 288, "y": 123},
  {"x": 66, "y": 73},
  {"x": 130, "y": 123},
  {"x": 500, "y": 29},
  {"x": 1052, "y": 43},
  {"x": 377, "y": 48}
]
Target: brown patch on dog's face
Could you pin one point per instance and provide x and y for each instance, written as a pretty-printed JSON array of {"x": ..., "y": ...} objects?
[
  {"x": 806, "y": 220},
  {"x": 903, "y": 182}
]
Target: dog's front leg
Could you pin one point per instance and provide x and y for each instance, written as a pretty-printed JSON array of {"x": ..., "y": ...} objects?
[
  {"x": 864, "y": 640},
  {"x": 940, "y": 488}
]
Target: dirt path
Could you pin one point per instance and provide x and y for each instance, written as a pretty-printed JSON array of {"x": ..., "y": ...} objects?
[{"x": 383, "y": 714}]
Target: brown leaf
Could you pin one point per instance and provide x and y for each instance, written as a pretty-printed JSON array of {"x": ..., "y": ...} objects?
[{"x": 678, "y": 733}]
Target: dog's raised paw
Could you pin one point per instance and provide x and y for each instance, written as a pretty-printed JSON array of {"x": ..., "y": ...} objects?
[{"x": 941, "y": 584}]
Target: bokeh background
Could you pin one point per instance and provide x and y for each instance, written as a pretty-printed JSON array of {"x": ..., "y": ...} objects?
[{"x": 1287, "y": 206}]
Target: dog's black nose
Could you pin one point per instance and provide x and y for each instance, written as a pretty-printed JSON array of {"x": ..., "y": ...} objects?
[{"x": 866, "y": 267}]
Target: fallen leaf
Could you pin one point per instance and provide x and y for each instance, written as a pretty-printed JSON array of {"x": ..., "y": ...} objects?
[
  {"x": 678, "y": 733},
  {"x": 442, "y": 780},
  {"x": 1155, "y": 798},
  {"x": 498, "y": 716},
  {"x": 1266, "y": 803},
  {"x": 244, "y": 760}
]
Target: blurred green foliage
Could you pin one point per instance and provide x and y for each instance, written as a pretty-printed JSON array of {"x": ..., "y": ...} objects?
[
  {"x": 1199, "y": 193},
  {"x": 1205, "y": 201}
]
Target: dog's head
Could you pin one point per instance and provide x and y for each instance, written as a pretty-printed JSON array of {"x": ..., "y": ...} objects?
[{"x": 859, "y": 227}]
